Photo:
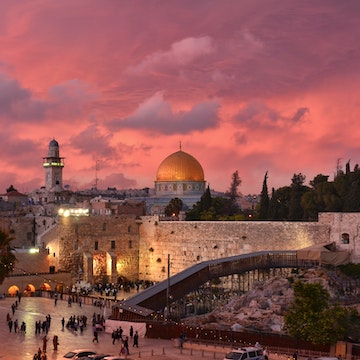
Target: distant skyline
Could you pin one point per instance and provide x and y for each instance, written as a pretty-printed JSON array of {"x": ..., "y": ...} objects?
[{"x": 246, "y": 85}]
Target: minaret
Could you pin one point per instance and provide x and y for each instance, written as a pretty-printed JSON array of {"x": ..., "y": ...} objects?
[{"x": 53, "y": 165}]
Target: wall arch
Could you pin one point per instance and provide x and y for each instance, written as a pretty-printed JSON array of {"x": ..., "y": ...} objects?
[
  {"x": 29, "y": 288},
  {"x": 13, "y": 290}
]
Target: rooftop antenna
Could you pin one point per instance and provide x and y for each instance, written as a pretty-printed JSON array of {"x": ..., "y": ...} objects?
[{"x": 180, "y": 145}]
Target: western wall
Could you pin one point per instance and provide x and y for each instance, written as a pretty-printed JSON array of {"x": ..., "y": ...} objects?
[{"x": 95, "y": 248}]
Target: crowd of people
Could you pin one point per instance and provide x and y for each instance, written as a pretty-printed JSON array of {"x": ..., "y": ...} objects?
[
  {"x": 118, "y": 336},
  {"x": 75, "y": 323}
]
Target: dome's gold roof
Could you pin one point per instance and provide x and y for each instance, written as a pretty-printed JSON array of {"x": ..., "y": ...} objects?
[{"x": 180, "y": 166}]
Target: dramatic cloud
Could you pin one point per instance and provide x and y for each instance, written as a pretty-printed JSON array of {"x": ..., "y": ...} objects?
[
  {"x": 181, "y": 53},
  {"x": 249, "y": 85},
  {"x": 155, "y": 114}
]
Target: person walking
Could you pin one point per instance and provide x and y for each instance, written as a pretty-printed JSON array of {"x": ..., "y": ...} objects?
[
  {"x": 63, "y": 323},
  {"x": 136, "y": 339},
  {"x": 126, "y": 345}
]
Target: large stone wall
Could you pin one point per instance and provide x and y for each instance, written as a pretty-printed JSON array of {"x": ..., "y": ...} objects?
[
  {"x": 134, "y": 248},
  {"x": 188, "y": 243}
]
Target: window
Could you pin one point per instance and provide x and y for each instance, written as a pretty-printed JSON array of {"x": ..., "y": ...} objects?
[
  {"x": 130, "y": 244},
  {"x": 129, "y": 229},
  {"x": 96, "y": 247},
  {"x": 113, "y": 244},
  {"x": 104, "y": 226},
  {"x": 345, "y": 238}
]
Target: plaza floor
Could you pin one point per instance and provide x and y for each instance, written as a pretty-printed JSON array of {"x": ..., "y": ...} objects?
[{"x": 14, "y": 346}]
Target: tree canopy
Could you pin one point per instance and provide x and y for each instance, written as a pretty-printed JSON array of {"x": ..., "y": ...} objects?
[
  {"x": 298, "y": 202},
  {"x": 7, "y": 258},
  {"x": 311, "y": 318}
]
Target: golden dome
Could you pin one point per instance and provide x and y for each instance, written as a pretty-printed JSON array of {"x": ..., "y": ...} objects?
[{"x": 180, "y": 166}]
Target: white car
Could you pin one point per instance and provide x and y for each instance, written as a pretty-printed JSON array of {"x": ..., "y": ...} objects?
[
  {"x": 75, "y": 354},
  {"x": 245, "y": 353}
]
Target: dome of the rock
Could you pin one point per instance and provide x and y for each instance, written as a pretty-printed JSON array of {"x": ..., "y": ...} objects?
[
  {"x": 180, "y": 166},
  {"x": 180, "y": 175}
]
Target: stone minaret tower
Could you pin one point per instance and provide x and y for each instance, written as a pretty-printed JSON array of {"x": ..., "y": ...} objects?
[{"x": 53, "y": 165}]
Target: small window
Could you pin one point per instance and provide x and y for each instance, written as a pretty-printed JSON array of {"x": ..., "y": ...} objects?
[
  {"x": 113, "y": 244},
  {"x": 104, "y": 226},
  {"x": 345, "y": 238},
  {"x": 96, "y": 247},
  {"x": 130, "y": 244},
  {"x": 129, "y": 229}
]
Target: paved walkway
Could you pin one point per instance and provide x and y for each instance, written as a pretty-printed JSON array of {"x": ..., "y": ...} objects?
[{"x": 16, "y": 346}]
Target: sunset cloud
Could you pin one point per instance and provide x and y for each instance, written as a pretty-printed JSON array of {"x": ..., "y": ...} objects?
[
  {"x": 156, "y": 115},
  {"x": 249, "y": 85}
]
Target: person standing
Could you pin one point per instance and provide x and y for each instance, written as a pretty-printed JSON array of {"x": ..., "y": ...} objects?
[
  {"x": 136, "y": 339},
  {"x": 10, "y": 324},
  {"x": 95, "y": 338},
  {"x": 16, "y": 325},
  {"x": 131, "y": 331},
  {"x": 55, "y": 342},
  {"x": 44, "y": 340},
  {"x": 63, "y": 323}
]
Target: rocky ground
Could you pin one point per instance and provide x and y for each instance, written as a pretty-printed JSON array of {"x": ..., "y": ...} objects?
[{"x": 263, "y": 307}]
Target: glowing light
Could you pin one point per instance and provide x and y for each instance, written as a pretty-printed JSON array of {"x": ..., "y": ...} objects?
[
  {"x": 34, "y": 250},
  {"x": 73, "y": 212}
]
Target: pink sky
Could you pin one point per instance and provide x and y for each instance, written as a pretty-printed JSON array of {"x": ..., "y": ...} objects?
[{"x": 245, "y": 85}]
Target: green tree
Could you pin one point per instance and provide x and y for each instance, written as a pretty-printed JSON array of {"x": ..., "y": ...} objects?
[
  {"x": 311, "y": 318},
  {"x": 231, "y": 207},
  {"x": 206, "y": 200},
  {"x": 297, "y": 190},
  {"x": 263, "y": 211},
  {"x": 7, "y": 257},
  {"x": 174, "y": 207},
  {"x": 279, "y": 204}
]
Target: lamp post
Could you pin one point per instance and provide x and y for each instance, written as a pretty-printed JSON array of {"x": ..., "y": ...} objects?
[{"x": 168, "y": 287}]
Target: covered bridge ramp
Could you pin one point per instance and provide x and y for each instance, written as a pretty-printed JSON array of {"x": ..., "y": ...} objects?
[{"x": 155, "y": 298}]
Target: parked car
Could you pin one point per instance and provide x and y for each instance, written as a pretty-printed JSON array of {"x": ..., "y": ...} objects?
[
  {"x": 94, "y": 357},
  {"x": 246, "y": 353},
  {"x": 76, "y": 354}
]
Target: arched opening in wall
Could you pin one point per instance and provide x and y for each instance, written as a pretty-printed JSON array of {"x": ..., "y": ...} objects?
[
  {"x": 13, "y": 290},
  {"x": 60, "y": 287},
  {"x": 345, "y": 238},
  {"x": 45, "y": 287},
  {"x": 29, "y": 288},
  {"x": 99, "y": 266}
]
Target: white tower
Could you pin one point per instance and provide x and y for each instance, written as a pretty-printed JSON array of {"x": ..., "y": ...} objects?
[{"x": 53, "y": 165}]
